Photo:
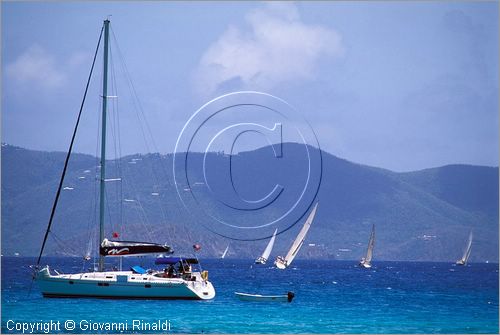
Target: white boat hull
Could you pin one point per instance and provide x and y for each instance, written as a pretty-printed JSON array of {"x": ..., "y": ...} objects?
[
  {"x": 122, "y": 285},
  {"x": 365, "y": 265},
  {"x": 281, "y": 263},
  {"x": 261, "y": 261},
  {"x": 264, "y": 298}
]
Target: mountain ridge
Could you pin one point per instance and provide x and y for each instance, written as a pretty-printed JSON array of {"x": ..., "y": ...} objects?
[{"x": 419, "y": 215}]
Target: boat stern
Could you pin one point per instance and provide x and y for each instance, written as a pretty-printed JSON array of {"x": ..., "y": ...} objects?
[{"x": 204, "y": 290}]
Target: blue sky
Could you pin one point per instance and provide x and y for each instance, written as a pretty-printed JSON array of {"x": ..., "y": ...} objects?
[{"x": 397, "y": 85}]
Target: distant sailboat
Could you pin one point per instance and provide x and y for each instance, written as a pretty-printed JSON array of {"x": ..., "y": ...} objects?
[
  {"x": 225, "y": 252},
  {"x": 265, "y": 255},
  {"x": 283, "y": 263},
  {"x": 366, "y": 261},
  {"x": 465, "y": 257}
]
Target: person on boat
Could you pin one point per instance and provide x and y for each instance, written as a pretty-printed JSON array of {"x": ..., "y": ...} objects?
[
  {"x": 180, "y": 268},
  {"x": 187, "y": 267},
  {"x": 168, "y": 272},
  {"x": 187, "y": 270}
]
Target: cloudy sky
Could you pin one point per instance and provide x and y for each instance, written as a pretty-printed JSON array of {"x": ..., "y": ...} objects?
[{"x": 397, "y": 85}]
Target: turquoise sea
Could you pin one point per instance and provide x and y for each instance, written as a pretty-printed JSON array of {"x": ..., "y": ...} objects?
[{"x": 330, "y": 297}]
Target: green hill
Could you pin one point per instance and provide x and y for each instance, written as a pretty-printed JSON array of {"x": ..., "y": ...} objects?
[{"x": 421, "y": 215}]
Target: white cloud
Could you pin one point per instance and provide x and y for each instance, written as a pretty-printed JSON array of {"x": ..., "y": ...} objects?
[
  {"x": 78, "y": 59},
  {"x": 277, "y": 48},
  {"x": 36, "y": 67}
]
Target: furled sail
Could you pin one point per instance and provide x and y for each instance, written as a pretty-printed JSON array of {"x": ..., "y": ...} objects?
[
  {"x": 128, "y": 248},
  {"x": 265, "y": 255},
  {"x": 282, "y": 263}
]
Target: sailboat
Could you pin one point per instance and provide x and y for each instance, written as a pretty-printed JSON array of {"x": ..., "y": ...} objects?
[
  {"x": 465, "y": 257},
  {"x": 225, "y": 252},
  {"x": 265, "y": 255},
  {"x": 137, "y": 283},
  {"x": 366, "y": 261},
  {"x": 284, "y": 262}
]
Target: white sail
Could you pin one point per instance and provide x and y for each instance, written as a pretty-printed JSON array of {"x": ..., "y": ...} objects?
[
  {"x": 371, "y": 244},
  {"x": 283, "y": 263},
  {"x": 465, "y": 257},
  {"x": 265, "y": 255},
  {"x": 224, "y": 253}
]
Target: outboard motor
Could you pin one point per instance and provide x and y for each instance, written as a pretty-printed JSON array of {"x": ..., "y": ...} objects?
[{"x": 290, "y": 296}]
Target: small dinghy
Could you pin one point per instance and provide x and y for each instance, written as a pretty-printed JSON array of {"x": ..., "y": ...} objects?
[{"x": 258, "y": 297}]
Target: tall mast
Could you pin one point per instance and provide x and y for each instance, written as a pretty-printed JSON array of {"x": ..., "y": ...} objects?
[{"x": 103, "y": 142}]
